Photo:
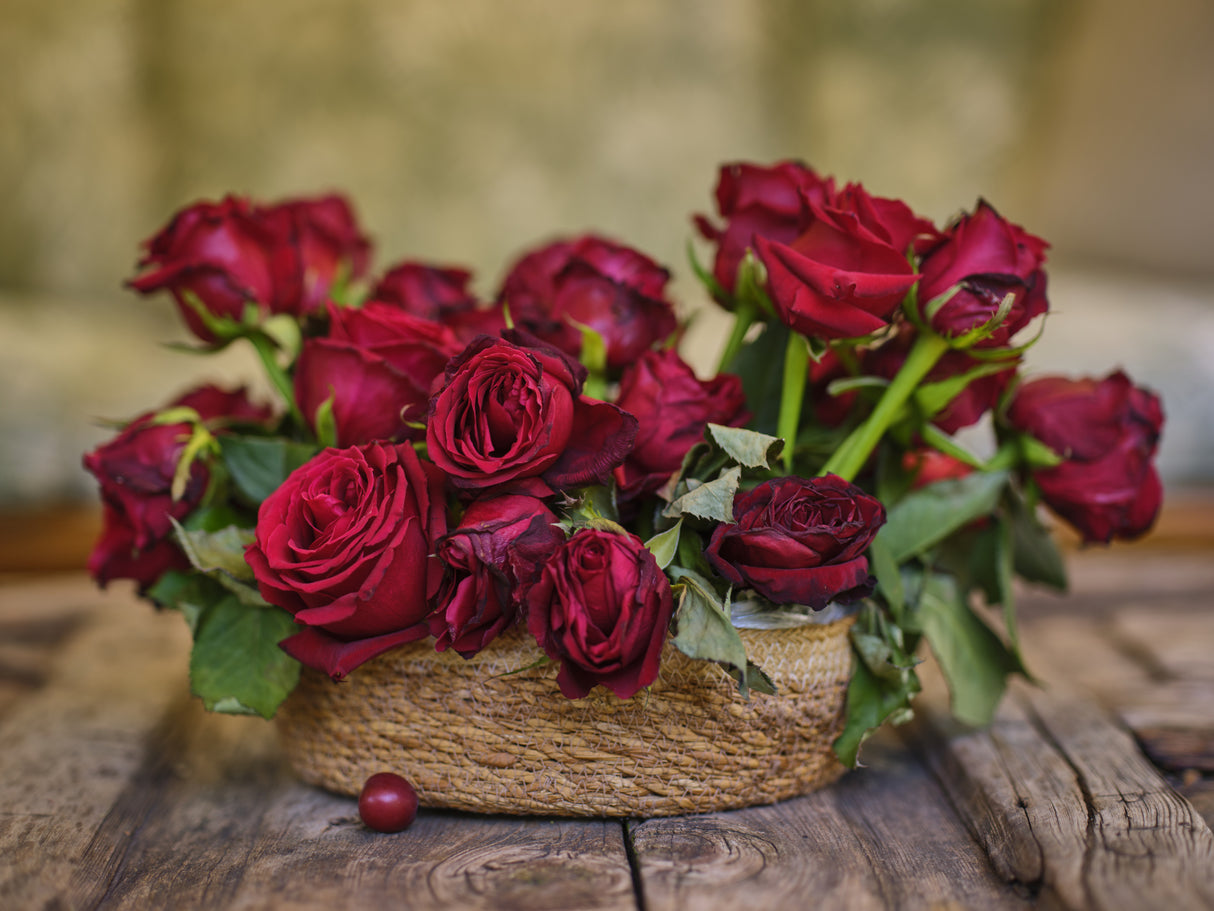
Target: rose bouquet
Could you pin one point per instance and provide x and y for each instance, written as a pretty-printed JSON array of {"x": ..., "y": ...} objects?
[{"x": 544, "y": 464}]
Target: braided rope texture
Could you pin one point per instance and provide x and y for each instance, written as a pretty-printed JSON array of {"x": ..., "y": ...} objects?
[{"x": 493, "y": 734}]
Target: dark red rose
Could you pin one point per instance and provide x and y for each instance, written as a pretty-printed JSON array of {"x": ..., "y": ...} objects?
[
  {"x": 760, "y": 201},
  {"x": 928, "y": 466},
  {"x": 511, "y": 412},
  {"x": 672, "y": 407},
  {"x": 346, "y": 545},
  {"x": 591, "y": 281},
  {"x": 989, "y": 257},
  {"x": 136, "y": 470},
  {"x": 841, "y": 278},
  {"x": 799, "y": 541},
  {"x": 440, "y": 293},
  {"x": 889, "y": 219},
  {"x": 1107, "y": 432},
  {"x": 491, "y": 559},
  {"x": 283, "y": 258},
  {"x": 379, "y": 365},
  {"x": 601, "y": 607},
  {"x": 979, "y": 396}
]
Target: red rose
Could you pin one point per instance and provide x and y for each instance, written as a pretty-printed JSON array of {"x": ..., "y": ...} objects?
[
  {"x": 799, "y": 541},
  {"x": 672, "y": 407},
  {"x": 283, "y": 258},
  {"x": 511, "y": 412},
  {"x": 989, "y": 257},
  {"x": 601, "y": 607},
  {"x": 346, "y": 545},
  {"x": 441, "y": 294},
  {"x": 1107, "y": 432},
  {"x": 928, "y": 466},
  {"x": 136, "y": 470},
  {"x": 494, "y": 555},
  {"x": 760, "y": 201},
  {"x": 378, "y": 364},
  {"x": 841, "y": 278},
  {"x": 613, "y": 289}
]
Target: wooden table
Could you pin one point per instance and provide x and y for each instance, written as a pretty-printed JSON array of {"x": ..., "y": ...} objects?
[{"x": 117, "y": 791}]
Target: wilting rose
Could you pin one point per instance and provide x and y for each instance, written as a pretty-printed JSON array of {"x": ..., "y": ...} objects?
[
  {"x": 672, "y": 407},
  {"x": 1107, "y": 432},
  {"x": 490, "y": 561},
  {"x": 843, "y": 277},
  {"x": 760, "y": 201},
  {"x": 439, "y": 293},
  {"x": 136, "y": 470},
  {"x": 613, "y": 289},
  {"x": 283, "y": 258},
  {"x": 990, "y": 258},
  {"x": 601, "y": 607},
  {"x": 378, "y": 364},
  {"x": 799, "y": 541},
  {"x": 346, "y": 545},
  {"x": 511, "y": 412}
]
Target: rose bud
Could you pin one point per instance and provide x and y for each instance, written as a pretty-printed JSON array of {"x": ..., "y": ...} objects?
[
  {"x": 672, "y": 407},
  {"x": 844, "y": 277},
  {"x": 136, "y": 471},
  {"x": 615, "y": 290},
  {"x": 490, "y": 559},
  {"x": 760, "y": 201},
  {"x": 601, "y": 607},
  {"x": 282, "y": 258},
  {"x": 511, "y": 412},
  {"x": 990, "y": 258},
  {"x": 346, "y": 545},
  {"x": 378, "y": 364},
  {"x": 1107, "y": 432},
  {"x": 927, "y": 466},
  {"x": 799, "y": 541}
]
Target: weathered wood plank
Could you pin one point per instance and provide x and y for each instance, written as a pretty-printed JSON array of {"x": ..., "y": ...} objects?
[
  {"x": 1063, "y": 801},
  {"x": 882, "y": 837}
]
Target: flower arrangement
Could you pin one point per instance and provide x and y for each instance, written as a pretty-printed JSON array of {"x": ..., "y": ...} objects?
[{"x": 445, "y": 468}]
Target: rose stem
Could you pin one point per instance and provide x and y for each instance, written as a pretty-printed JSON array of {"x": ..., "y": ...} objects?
[
  {"x": 853, "y": 452},
  {"x": 796, "y": 372}
]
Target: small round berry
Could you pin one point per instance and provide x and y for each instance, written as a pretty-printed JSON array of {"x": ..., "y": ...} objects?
[{"x": 387, "y": 803}]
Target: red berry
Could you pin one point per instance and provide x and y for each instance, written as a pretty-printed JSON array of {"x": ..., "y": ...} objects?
[{"x": 387, "y": 803}]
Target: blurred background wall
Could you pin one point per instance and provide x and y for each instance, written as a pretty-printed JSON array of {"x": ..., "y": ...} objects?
[{"x": 467, "y": 130}]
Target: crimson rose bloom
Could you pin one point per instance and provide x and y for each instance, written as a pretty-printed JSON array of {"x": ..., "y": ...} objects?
[
  {"x": 135, "y": 471},
  {"x": 511, "y": 412},
  {"x": 990, "y": 258},
  {"x": 848, "y": 272},
  {"x": 378, "y": 364},
  {"x": 615, "y": 290},
  {"x": 601, "y": 607},
  {"x": 760, "y": 201},
  {"x": 491, "y": 559},
  {"x": 672, "y": 407},
  {"x": 346, "y": 545},
  {"x": 799, "y": 541},
  {"x": 284, "y": 258},
  {"x": 439, "y": 293},
  {"x": 1107, "y": 432}
]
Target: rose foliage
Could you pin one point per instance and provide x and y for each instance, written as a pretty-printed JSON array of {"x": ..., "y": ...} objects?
[{"x": 544, "y": 462}]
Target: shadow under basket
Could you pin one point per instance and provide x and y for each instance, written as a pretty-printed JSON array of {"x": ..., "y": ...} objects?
[{"x": 484, "y": 736}]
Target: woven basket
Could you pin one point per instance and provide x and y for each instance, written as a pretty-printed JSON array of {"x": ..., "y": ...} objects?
[{"x": 472, "y": 735}]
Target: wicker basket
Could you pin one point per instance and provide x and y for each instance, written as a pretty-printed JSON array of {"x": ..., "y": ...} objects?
[{"x": 481, "y": 735}]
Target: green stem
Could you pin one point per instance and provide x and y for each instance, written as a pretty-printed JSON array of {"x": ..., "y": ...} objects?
[
  {"x": 743, "y": 318},
  {"x": 853, "y": 453},
  {"x": 266, "y": 350},
  {"x": 796, "y": 371}
]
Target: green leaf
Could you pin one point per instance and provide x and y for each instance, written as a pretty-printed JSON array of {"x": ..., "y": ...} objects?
[
  {"x": 974, "y": 660},
  {"x": 259, "y": 465},
  {"x": 748, "y": 448},
  {"x": 326, "y": 423},
  {"x": 1035, "y": 454},
  {"x": 756, "y": 679},
  {"x": 236, "y": 665},
  {"x": 593, "y": 357},
  {"x": 597, "y": 502},
  {"x": 932, "y": 398},
  {"x": 872, "y": 701},
  {"x": 702, "y": 626},
  {"x": 1035, "y": 556},
  {"x": 760, "y": 365},
  {"x": 283, "y": 330},
  {"x": 889, "y": 576},
  {"x": 222, "y": 551},
  {"x": 712, "y": 500},
  {"x": 927, "y": 516},
  {"x": 189, "y": 593},
  {"x": 665, "y": 545}
]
